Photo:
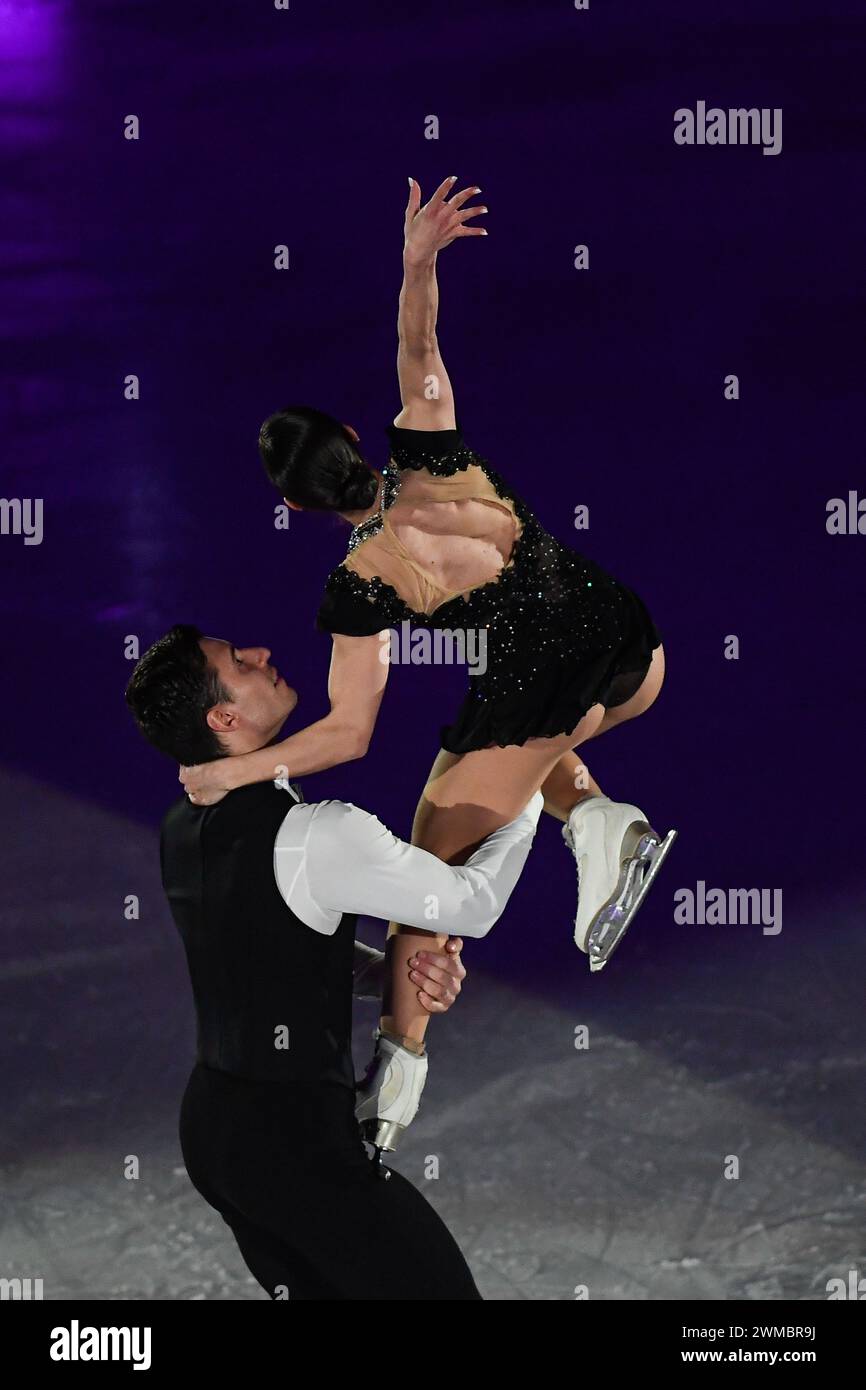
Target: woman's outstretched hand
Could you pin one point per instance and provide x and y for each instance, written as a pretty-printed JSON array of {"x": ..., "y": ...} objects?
[{"x": 438, "y": 223}]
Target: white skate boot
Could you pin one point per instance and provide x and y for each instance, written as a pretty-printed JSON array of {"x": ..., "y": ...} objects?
[
  {"x": 618, "y": 856},
  {"x": 387, "y": 1099}
]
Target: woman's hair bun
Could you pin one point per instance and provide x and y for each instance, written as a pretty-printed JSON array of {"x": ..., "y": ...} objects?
[
  {"x": 311, "y": 460},
  {"x": 359, "y": 491}
]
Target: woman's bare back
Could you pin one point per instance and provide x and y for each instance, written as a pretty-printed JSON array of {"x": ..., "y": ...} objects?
[
  {"x": 458, "y": 544},
  {"x": 441, "y": 537}
]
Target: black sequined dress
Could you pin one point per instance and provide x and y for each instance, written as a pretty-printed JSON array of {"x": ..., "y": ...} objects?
[{"x": 561, "y": 634}]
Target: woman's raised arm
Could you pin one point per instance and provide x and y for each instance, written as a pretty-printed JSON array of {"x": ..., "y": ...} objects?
[{"x": 425, "y": 389}]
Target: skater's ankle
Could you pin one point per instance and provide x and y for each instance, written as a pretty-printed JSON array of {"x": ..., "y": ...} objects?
[{"x": 415, "y": 1045}]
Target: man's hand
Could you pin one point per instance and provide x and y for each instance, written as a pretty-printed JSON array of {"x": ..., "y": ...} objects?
[
  {"x": 438, "y": 223},
  {"x": 439, "y": 975}
]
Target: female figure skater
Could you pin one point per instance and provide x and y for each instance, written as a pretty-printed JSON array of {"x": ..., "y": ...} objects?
[{"x": 440, "y": 540}]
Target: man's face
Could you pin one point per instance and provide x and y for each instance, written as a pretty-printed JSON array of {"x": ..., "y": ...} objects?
[{"x": 260, "y": 699}]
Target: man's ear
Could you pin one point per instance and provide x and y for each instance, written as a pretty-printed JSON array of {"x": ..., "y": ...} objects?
[
  {"x": 295, "y": 506},
  {"x": 222, "y": 719}
]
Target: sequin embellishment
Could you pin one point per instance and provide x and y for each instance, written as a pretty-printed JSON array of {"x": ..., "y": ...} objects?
[{"x": 550, "y": 614}]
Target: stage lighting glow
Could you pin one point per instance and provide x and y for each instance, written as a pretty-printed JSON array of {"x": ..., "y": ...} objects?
[{"x": 33, "y": 36}]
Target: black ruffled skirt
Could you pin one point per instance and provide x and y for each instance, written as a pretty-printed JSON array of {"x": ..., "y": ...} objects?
[{"x": 560, "y": 660}]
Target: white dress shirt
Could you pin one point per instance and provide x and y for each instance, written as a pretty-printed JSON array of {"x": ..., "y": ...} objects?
[{"x": 331, "y": 857}]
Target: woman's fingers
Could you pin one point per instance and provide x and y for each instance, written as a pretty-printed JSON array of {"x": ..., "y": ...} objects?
[
  {"x": 435, "y": 225},
  {"x": 414, "y": 199},
  {"x": 196, "y": 779},
  {"x": 457, "y": 225},
  {"x": 444, "y": 188},
  {"x": 468, "y": 212},
  {"x": 459, "y": 199}
]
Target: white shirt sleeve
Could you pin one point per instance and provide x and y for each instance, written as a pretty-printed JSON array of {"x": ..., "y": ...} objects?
[
  {"x": 353, "y": 863},
  {"x": 290, "y": 868}
]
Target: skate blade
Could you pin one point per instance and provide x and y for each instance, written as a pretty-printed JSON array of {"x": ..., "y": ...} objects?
[
  {"x": 382, "y": 1134},
  {"x": 637, "y": 877}
]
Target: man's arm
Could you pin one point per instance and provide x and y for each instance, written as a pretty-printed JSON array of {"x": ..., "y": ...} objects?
[
  {"x": 425, "y": 388},
  {"x": 355, "y": 864}
]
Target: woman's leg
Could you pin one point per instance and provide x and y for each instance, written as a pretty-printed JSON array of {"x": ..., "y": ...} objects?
[
  {"x": 567, "y": 785},
  {"x": 466, "y": 798},
  {"x": 571, "y": 780}
]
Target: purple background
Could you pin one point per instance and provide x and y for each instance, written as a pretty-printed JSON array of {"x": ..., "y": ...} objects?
[{"x": 602, "y": 388}]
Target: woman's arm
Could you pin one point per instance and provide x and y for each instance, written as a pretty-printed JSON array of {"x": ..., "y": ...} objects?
[
  {"x": 425, "y": 388},
  {"x": 356, "y": 683}
]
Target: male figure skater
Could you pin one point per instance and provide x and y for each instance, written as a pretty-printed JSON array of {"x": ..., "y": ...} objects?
[{"x": 264, "y": 889}]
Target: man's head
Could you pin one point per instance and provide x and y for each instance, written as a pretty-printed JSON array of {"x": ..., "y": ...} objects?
[{"x": 198, "y": 698}]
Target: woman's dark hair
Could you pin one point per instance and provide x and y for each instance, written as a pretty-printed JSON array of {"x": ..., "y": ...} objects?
[
  {"x": 170, "y": 692},
  {"x": 311, "y": 460}
]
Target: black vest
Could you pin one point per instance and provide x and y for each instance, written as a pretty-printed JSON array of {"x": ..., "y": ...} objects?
[{"x": 258, "y": 973}]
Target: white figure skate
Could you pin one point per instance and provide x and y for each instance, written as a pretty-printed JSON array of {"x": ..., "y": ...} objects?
[
  {"x": 618, "y": 856},
  {"x": 387, "y": 1099}
]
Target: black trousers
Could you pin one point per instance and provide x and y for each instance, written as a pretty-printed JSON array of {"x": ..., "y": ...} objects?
[{"x": 286, "y": 1167}]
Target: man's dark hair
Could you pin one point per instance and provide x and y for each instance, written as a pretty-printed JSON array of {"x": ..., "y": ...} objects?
[{"x": 170, "y": 692}]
